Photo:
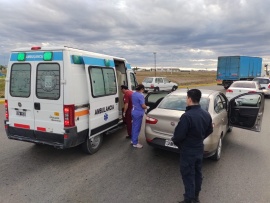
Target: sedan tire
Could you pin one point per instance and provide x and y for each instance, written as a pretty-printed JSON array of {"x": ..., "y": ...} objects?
[
  {"x": 174, "y": 88},
  {"x": 230, "y": 129},
  {"x": 217, "y": 155}
]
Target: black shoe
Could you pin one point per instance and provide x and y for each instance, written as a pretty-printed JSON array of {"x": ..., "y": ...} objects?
[
  {"x": 187, "y": 201},
  {"x": 196, "y": 200}
]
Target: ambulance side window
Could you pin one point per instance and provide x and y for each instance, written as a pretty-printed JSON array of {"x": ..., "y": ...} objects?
[
  {"x": 103, "y": 81},
  {"x": 48, "y": 81},
  {"x": 109, "y": 81},
  {"x": 20, "y": 80}
]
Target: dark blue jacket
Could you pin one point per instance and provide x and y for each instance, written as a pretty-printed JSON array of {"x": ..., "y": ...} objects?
[{"x": 194, "y": 126}]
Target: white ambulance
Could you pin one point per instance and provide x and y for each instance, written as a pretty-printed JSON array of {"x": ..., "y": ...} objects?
[{"x": 64, "y": 97}]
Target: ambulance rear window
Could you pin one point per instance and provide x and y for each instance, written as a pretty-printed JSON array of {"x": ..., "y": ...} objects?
[
  {"x": 20, "y": 80},
  {"x": 48, "y": 81}
]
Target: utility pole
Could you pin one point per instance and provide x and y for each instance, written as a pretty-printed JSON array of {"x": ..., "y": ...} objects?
[{"x": 155, "y": 63}]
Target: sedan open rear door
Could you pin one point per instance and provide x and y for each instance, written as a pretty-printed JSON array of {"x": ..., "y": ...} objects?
[
  {"x": 246, "y": 111},
  {"x": 152, "y": 99}
]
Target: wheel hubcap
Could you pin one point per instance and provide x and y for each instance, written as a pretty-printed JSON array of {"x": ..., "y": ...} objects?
[{"x": 94, "y": 142}]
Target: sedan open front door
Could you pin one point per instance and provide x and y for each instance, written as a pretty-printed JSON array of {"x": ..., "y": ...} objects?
[{"x": 246, "y": 111}]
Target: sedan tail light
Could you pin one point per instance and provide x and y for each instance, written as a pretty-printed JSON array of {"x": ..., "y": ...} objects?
[
  {"x": 150, "y": 120},
  {"x": 229, "y": 90},
  {"x": 152, "y": 86}
]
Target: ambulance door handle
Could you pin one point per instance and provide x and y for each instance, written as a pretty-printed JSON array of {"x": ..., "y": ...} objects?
[
  {"x": 37, "y": 106},
  {"x": 116, "y": 99}
]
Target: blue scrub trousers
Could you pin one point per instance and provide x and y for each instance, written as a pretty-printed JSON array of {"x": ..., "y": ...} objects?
[{"x": 137, "y": 118}]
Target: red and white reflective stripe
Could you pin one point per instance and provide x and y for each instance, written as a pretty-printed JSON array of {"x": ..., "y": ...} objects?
[
  {"x": 41, "y": 129},
  {"x": 18, "y": 125},
  {"x": 6, "y": 109}
]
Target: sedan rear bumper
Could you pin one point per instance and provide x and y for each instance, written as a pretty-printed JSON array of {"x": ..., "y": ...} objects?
[{"x": 160, "y": 143}]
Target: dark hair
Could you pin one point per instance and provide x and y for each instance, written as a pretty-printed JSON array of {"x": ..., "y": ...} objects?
[
  {"x": 140, "y": 87},
  {"x": 195, "y": 95},
  {"x": 124, "y": 87}
]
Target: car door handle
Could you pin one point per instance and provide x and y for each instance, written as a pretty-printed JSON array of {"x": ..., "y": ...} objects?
[{"x": 37, "y": 106}]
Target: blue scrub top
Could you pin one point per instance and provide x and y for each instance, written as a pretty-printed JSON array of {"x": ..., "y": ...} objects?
[{"x": 137, "y": 101}]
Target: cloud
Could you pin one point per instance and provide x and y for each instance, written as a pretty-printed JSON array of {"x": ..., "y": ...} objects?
[{"x": 179, "y": 31}]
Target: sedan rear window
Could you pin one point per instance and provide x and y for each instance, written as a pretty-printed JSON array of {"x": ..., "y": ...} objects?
[
  {"x": 178, "y": 102},
  {"x": 244, "y": 85},
  {"x": 148, "y": 80},
  {"x": 261, "y": 80}
]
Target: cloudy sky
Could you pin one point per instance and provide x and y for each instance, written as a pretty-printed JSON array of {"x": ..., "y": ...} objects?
[{"x": 183, "y": 33}]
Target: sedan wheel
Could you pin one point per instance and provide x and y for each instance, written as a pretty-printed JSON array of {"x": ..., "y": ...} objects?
[
  {"x": 229, "y": 129},
  {"x": 92, "y": 145},
  {"x": 217, "y": 155},
  {"x": 174, "y": 88}
]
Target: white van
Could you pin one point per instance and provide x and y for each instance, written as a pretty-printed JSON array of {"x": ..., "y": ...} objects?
[{"x": 64, "y": 97}]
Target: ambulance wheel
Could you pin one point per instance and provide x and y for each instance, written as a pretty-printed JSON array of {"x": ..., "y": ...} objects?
[{"x": 91, "y": 146}]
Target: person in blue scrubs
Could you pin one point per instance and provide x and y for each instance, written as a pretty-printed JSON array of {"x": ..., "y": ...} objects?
[{"x": 137, "y": 113}]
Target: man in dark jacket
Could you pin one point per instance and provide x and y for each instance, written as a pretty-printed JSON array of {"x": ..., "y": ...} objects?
[{"x": 194, "y": 126}]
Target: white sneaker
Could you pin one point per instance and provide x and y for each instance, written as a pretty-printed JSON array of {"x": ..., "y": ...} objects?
[{"x": 138, "y": 146}]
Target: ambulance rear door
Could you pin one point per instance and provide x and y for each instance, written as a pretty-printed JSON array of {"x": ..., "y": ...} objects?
[
  {"x": 34, "y": 96},
  {"x": 20, "y": 93},
  {"x": 48, "y": 97}
]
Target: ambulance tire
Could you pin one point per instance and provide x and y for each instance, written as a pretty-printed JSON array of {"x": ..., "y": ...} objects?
[{"x": 91, "y": 146}]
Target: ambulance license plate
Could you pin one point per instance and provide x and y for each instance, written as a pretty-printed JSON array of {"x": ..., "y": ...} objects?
[
  {"x": 20, "y": 113},
  {"x": 169, "y": 143}
]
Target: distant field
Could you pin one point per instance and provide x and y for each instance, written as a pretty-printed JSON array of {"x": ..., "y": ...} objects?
[
  {"x": 2, "y": 87},
  {"x": 182, "y": 78}
]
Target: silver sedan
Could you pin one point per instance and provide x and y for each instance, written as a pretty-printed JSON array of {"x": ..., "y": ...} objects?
[{"x": 164, "y": 116}]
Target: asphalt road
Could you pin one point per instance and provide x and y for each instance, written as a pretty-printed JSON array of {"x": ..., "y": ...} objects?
[{"x": 119, "y": 173}]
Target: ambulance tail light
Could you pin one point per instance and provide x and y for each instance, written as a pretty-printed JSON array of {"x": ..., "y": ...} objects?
[
  {"x": 268, "y": 86},
  {"x": 150, "y": 120},
  {"x": 69, "y": 115},
  {"x": 6, "y": 109}
]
